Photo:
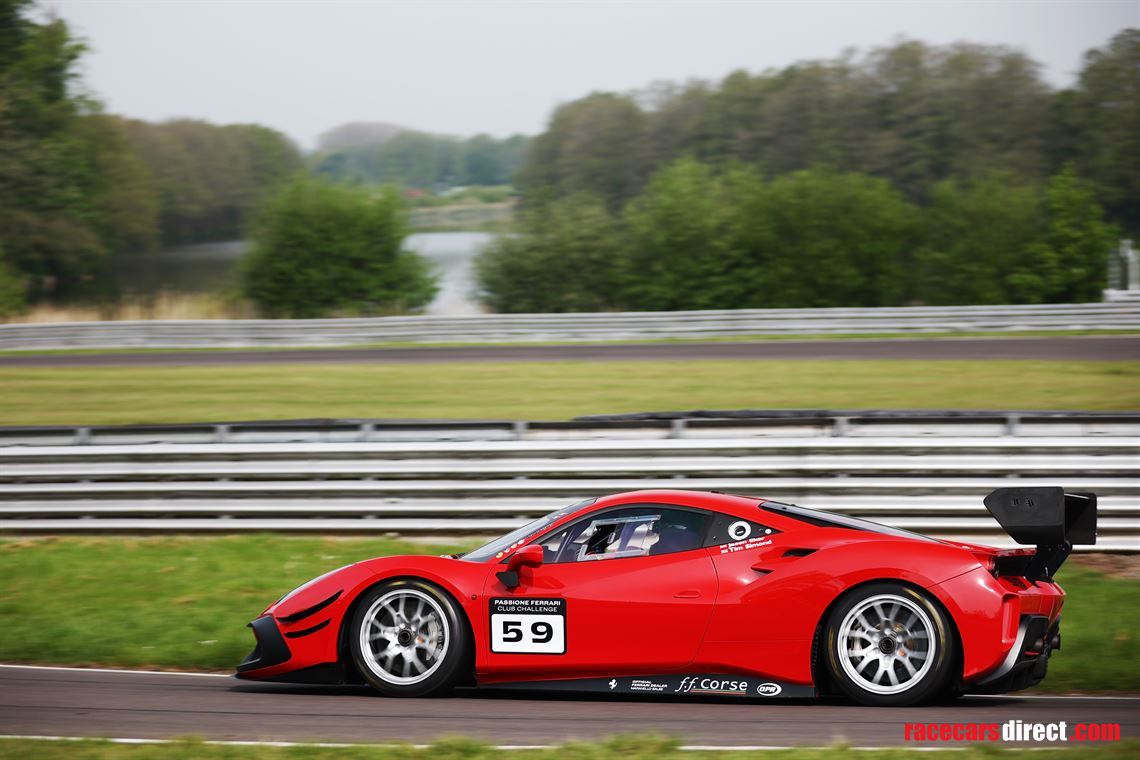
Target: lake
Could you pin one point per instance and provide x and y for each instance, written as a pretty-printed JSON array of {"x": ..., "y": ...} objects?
[{"x": 214, "y": 267}]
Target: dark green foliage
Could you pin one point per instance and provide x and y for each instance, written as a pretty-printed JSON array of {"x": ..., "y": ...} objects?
[
  {"x": 566, "y": 259},
  {"x": 321, "y": 249},
  {"x": 595, "y": 145},
  {"x": 208, "y": 179},
  {"x": 822, "y": 238},
  {"x": 979, "y": 239},
  {"x": 913, "y": 114},
  {"x": 47, "y": 213},
  {"x": 12, "y": 289},
  {"x": 1071, "y": 257},
  {"x": 1098, "y": 126},
  {"x": 77, "y": 185},
  {"x": 699, "y": 239},
  {"x": 682, "y": 251}
]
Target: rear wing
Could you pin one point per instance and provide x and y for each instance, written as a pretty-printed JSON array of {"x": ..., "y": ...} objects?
[{"x": 1048, "y": 518}]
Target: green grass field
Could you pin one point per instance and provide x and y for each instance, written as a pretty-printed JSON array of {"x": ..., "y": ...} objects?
[
  {"x": 548, "y": 390},
  {"x": 514, "y": 343},
  {"x": 182, "y": 603},
  {"x": 625, "y": 748}
]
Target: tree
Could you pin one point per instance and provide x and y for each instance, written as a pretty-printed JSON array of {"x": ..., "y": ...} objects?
[
  {"x": 12, "y": 289},
  {"x": 1104, "y": 114},
  {"x": 680, "y": 250},
  {"x": 46, "y": 210},
  {"x": 320, "y": 249},
  {"x": 565, "y": 257},
  {"x": 1072, "y": 257},
  {"x": 821, "y": 238},
  {"x": 207, "y": 180},
  {"x": 981, "y": 243},
  {"x": 593, "y": 146}
]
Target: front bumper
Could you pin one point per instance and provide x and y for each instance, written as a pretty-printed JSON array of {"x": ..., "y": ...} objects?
[
  {"x": 270, "y": 648},
  {"x": 1028, "y": 659}
]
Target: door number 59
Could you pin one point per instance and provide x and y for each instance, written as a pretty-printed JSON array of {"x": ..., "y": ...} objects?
[{"x": 532, "y": 634}]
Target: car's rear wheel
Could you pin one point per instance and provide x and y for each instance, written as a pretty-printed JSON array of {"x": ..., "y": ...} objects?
[
  {"x": 408, "y": 638},
  {"x": 890, "y": 645}
]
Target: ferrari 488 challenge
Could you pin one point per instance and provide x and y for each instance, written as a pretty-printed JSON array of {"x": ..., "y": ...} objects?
[{"x": 688, "y": 593}]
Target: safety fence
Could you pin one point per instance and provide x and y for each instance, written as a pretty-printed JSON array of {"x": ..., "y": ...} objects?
[
  {"x": 922, "y": 471},
  {"x": 606, "y": 326}
]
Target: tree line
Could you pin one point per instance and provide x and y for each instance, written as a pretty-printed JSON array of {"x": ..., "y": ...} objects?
[
  {"x": 915, "y": 174},
  {"x": 386, "y": 154},
  {"x": 698, "y": 237},
  {"x": 78, "y": 185},
  {"x": 912, "y": 114}
]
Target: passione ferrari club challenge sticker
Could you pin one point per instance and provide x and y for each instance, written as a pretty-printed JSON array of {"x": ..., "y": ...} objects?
[{"x": 528, "y": 625}]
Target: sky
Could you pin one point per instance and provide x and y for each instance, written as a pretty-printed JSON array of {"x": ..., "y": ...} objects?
[{"x": 463, "y": 67}]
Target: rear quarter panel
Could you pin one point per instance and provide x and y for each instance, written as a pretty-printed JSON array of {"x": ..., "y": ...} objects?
[{"x": 764, "y": 624}]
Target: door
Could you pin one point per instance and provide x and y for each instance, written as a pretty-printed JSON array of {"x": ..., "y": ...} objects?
[{"x": 620, "y": 591}]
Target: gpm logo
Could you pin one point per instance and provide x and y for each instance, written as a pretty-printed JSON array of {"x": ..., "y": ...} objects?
[{"x": 768, "y": 689}]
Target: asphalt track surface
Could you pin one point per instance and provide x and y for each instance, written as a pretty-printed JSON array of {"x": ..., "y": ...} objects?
[
  {"x": 143, "y": 705},
  {"x": 1086, "y": 348}
]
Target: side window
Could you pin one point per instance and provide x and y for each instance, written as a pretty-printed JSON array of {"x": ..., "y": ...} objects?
[
  {"x": 631, "y": 532},
  {"x": 728, "y": 529}
]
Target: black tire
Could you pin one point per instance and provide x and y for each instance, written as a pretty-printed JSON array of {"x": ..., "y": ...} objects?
[
  {"x": 452, "y": 639},
  {"x": 886, "y": 680}
]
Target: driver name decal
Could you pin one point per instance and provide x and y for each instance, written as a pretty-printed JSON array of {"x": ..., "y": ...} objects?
[{"x": 528, "y": 625}]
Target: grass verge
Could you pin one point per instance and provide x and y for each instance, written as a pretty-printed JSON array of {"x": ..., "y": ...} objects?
[
  {"x": 627, "y": 748},
  {"x": 823, "y": 337},
  {"x": 548, "y": 390},
  {"x": 171, "y": 602},
  {"x": 182, "y": 603}
]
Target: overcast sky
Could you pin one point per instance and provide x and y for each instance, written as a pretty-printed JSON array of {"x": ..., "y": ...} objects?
[{"x": 463, "y": 67}]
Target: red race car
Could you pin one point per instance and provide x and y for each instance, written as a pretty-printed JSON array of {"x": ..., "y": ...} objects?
[{"x": 692, "y": 593}]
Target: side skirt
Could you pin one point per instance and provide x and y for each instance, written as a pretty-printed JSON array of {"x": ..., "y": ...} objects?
[{"x": 700, "y": 685}]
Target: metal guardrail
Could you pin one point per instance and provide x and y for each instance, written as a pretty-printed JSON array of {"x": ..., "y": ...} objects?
[
  {"x": 923, "y": 471},
  {"x": 556, "y": 327}
]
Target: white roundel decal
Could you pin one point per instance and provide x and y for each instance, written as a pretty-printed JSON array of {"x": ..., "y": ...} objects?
[
  {"x": 769, "y": 689},
  {"x": 739, "y": 530}
]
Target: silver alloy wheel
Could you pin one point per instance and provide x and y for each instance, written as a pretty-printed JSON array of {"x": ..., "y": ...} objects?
[
  {"x": 404, "y": 636},
  {"x": 886, "y": 644}
]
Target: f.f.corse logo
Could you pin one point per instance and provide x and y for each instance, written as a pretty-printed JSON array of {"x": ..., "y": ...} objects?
[{"x": 697, "y": 685}]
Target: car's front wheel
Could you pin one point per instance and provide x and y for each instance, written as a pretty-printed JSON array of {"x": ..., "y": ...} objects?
[
  {"x": 890, "y": 645},
  {"x": 408, "y": 638}
]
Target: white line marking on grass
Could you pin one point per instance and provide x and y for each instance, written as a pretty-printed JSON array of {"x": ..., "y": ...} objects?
[
  {"x": 117, "y": 670},
  {"x": 512, "y": 747}
]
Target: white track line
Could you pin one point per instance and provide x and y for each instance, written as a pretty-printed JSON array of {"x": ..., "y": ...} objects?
[
  {"x": 117, "y": 670},
  {"x": 1041, "y": 697},
  {"x": 336, "y": 745}
]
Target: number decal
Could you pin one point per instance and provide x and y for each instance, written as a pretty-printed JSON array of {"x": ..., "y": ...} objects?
[
  {"x": 528, "y": 625},
  {"x": 542, "y": 632}
]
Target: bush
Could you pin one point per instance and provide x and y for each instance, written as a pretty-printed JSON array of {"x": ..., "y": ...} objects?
[
  {"x": 565, "y": 257},
  {"x": 321, "y": 249},
  {"x": 819, "y": 238},
  {"x": 699, "y": 239},
  {"x": 12, "y": 290}
]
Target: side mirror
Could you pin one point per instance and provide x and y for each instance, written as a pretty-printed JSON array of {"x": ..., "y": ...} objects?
[{"x": 527, "y": 556}]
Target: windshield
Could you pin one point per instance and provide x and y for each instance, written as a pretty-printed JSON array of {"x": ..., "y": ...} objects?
[
  {"x": 830, "y": 519},
  {"x": 487, "y": 551}
]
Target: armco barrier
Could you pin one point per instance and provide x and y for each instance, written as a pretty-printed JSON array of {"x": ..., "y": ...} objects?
[
  {"x": 926, "y": 471},
  {"x": 554, "y": 327}
]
